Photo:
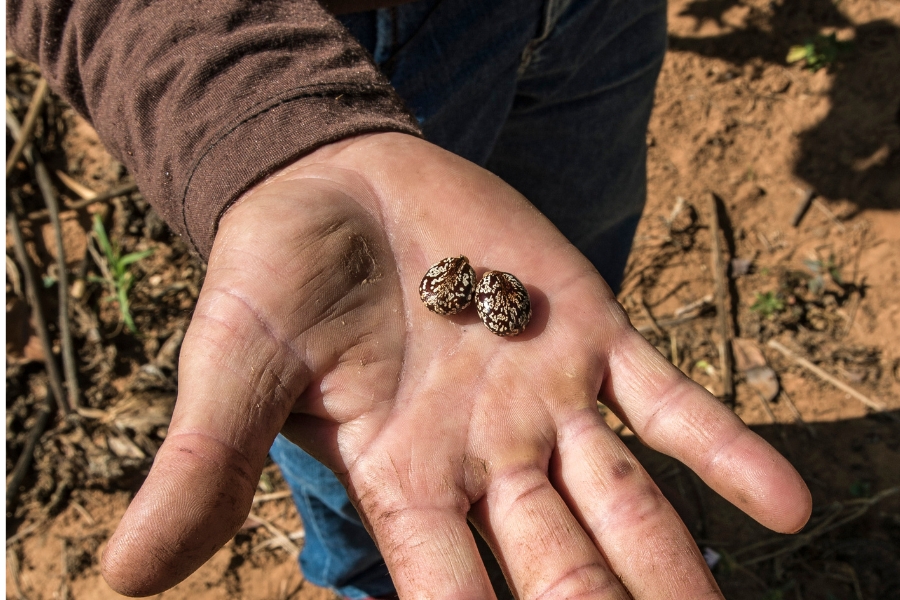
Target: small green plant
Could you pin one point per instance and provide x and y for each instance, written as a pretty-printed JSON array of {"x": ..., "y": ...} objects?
[
  {"x": 265, "y": 483},
  {"x": 116, "y": 275},
  {"x": 820, "y": 52},
  {"x": 768, "y": 304},
  {"x": 819, "y": 269},
  {"x": 707, "y": 368}
]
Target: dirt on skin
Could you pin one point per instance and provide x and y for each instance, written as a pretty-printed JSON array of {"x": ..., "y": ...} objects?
[{"x": 733, "y": 121}]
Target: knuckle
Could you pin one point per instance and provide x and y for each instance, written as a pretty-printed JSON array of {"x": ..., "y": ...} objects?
[
  {"x": 637, "y": 507},
  {"x": 584, "y": 581}
]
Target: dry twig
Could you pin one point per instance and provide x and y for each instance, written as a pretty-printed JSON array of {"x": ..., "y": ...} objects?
[
  {"x": 12, "y": 123},
  {"x": 84, "y": 192},
  {"x": 121, "y": 190},
  {"x": 83, "y": 512},
  {"x": 829, "y": 523},
  {"x": 673, "y": 347},
  {"x": 645, "y": 310},
  {"x": 722, "y": 302},
  {"x": 825, "y": 211},
  {"x": 12, "y": 273},
  {"x": 863, "y": 230},
  {"x": 851, "y": 318},
  {"x": 13, "y": 569},
  {"x": 280, "y": 538},
  {"x": 803, "y": 206},
  {"x": 798, "y": 417},
  {"x": 260, "y": 498},
  {"x": 24, "y": 533},
  {"x": 853, "y": 578},
  {"x": 43, "y": 179},
  {"x": 694, "y": 308},
  {"x": 686, "y": 313},
  {"x": 34, "y": 109},
  {"x": 65, "y": 333},
  {"x": 676, "y": 210},
  {"x": 275, "y": 542},
  {"x": 825, "y": 376},
  {"x": 24, "y": 462},
  {"x": 766, "y": 408},
  {"x": 765, "y": 241},
  {"x": 40, "y": 323},
  {"x": 667, "y": 323}
]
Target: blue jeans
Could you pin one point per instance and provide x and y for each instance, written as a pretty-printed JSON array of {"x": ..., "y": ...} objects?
[{"x": 551, "y": 95}]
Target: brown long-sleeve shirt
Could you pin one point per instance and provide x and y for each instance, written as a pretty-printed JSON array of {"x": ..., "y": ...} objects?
[{"x": 201, "y": 99}]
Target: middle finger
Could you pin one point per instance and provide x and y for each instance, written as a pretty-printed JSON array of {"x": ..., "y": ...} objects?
[
  {"x": 542, "y": 548},
  {"x": 627, "y": 515}
]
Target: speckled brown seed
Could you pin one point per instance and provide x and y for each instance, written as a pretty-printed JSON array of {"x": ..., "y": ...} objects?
[
  {"x": 503, "y": 303},
  {"x": 448, "y": 286}
]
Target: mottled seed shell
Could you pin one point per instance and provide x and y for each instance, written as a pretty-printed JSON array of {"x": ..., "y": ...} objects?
[
  {"x": 449, "y": 286},
  {"x": 503, "y": 303}
]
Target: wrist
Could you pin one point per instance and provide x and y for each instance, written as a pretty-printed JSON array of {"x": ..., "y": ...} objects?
[{"x": 325, "y": 171}]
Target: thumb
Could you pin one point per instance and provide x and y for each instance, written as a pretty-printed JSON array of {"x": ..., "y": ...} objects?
[
  {"x": 195, "y": 498},
  {"x": 289, "y": 267},
  {"x": 238, "y": 382}
]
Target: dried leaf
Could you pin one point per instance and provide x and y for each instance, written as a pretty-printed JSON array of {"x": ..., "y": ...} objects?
[
  {"x": 747, "y": 355},
  {"x": 124, "y": 447}
]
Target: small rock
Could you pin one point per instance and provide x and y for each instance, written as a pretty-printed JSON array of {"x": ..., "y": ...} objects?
[
  {"x": 764, "y": 380},
  {"x": 740, "y": 266}
]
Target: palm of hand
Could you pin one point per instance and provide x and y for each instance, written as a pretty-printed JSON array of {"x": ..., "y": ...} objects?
[{"x": 310, "y": 322}]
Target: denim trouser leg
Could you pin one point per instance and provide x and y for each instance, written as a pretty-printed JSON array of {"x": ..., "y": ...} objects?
[
  {"x": 574, "y": 142},
  {"x": 338, "y": 552},
  {"x": 551, "y": 95}
]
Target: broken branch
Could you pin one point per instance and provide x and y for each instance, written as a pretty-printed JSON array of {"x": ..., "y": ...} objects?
[
  {"x": 825, "y": 376},
  {"x": 719, "y": 275}
]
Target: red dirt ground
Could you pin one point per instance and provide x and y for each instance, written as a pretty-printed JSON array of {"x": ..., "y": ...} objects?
[{"x": 731, "y": 118}]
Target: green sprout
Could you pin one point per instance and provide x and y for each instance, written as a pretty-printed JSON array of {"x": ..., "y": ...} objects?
[
  {"x": 821, "y": 268},
  {"x": 821, "y": 51},
  {"x": 707, "y": 368},
  {"x": 116, "y": 275},
  {"x": 768, "y": 304}
]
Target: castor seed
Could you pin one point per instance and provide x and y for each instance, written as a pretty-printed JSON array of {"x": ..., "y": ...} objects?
[
  {"x": 503, "y": 303},
  {"x": 448, "y": 286}
]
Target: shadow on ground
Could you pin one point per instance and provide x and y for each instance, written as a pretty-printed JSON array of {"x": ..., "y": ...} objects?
[
  {"x": 854, "y": 153},
  {"x": 850, "y": 546},
  {"x": 849, "y": 549}
]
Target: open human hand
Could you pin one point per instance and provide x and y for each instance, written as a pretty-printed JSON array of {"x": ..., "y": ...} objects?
[{"x": 310, "y": 323}]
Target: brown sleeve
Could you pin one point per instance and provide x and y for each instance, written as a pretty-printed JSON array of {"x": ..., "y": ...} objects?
[{"x": 201, "y": 99}]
